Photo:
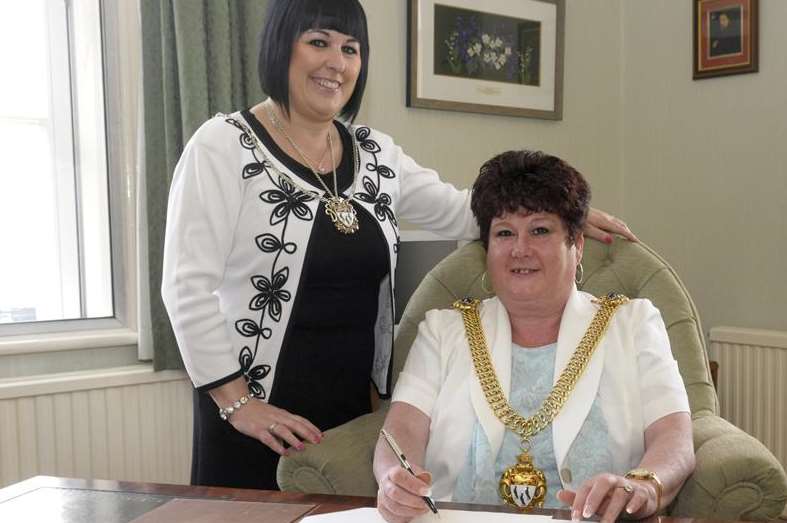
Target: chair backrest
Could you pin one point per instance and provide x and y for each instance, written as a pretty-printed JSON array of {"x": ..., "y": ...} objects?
[{"x": 629, "y": 268}]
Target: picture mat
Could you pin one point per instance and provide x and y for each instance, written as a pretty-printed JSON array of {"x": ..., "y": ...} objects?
[{"x": 462, "y": 90}]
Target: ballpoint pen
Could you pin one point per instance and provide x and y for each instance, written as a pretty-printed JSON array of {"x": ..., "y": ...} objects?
[{"x": 405, "y": 465}]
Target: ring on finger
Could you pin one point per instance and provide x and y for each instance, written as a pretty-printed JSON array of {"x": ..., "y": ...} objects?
[
  {"x": 272, "y": 426},
  {"x": 626, "y": 487}
]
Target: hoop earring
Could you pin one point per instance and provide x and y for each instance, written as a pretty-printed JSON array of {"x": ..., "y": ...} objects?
[
  {"x": 580, "y": 275},
  {"x": 484, "y": 284}
]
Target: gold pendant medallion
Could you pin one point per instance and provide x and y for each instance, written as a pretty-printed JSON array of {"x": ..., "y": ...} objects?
[
  {"x": 342, "y": 214},
  {"x": 523, "y": 485}
]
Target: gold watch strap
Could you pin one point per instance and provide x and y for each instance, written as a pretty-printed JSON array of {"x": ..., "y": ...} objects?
[{"x": 647, "y": 475}]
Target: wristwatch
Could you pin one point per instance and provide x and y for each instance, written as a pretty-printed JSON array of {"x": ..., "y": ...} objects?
[{"x": 646, "y": 475}]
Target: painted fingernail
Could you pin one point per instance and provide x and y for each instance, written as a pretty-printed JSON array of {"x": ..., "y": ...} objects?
[
  {"x": 608, "y": 239},
  {"x": 300, "y": 446},
  {"x": 629, "y": 510},
  {"x": 574, "y": 515},
  {"x": 586, "y": 512}
]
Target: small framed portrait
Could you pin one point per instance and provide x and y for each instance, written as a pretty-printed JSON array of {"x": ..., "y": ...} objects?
[
  {"x": 495, "y": 57},
  {"x": 725, "y": 37}
]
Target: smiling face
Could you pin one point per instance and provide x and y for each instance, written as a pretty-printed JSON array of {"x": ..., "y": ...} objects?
[
  {"x": 324, "y": 69},
  {"x": 530, "y": 262}
]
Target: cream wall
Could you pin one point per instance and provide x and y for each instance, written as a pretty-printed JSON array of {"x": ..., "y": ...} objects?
[
  {"x": 705, "y": 163},
  {"x": 697, "y": 168},
  {"x": 456, "y": 144}
]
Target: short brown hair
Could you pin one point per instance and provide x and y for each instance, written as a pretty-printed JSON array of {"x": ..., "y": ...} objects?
[{"x": 534, "y": 181}]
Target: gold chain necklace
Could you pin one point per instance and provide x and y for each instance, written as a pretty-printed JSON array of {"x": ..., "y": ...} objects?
[
  {"x": 339, "y": 209},
  {"x": 523, "y": 485}
]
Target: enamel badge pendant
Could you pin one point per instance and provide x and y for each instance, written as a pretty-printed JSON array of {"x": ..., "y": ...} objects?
[
  {"x": 342, "y": 214},
  {"x": 523, "y": 485}
]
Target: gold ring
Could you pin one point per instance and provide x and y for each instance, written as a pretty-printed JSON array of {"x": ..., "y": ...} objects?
[
  {"x": 627, "y": 487},
  {"x": 272, "y": 426}
]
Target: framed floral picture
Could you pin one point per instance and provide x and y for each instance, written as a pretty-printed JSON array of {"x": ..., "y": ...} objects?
[
  {"x": 725, "y": 37},
  {"x": 496, "y": 57}
]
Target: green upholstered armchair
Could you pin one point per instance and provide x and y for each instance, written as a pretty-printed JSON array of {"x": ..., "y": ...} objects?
[{"x": 736, "y": 476}]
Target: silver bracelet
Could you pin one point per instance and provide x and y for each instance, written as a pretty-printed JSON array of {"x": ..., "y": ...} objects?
[{"x": 226, "y": 412}]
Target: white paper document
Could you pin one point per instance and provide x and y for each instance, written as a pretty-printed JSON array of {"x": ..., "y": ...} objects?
[{"x": 370, "y": 515}]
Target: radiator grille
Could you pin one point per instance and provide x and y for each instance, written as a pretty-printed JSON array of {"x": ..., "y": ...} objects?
[
  {"x": 133, "y": 426},
  {"x": 753, "y": 383}
]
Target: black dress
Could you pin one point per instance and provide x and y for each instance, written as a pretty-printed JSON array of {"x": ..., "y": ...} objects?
[{"x": 324, "y": 367}]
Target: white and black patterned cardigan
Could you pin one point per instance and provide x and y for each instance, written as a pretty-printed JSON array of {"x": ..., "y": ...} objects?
[{"x": 237, "y": 237}]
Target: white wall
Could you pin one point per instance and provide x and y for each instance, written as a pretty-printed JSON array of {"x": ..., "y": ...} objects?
[
  {"x": 456, "y": 144},
  {"x": 697, "y": 168},
  {"x": 705, "y": 163}
]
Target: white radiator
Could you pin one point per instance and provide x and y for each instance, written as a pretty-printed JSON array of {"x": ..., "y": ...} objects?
[
  {"x": 128, "y": 424},
  {"x": 753, "y": 383}
]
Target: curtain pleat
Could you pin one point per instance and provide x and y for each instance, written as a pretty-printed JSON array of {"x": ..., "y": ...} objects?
[{"x": 199, "y": 58}]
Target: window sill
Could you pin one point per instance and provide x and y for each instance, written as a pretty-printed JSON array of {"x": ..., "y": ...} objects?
[
  {"x": 86, "y": 380},
  {"x": 65, "y": 341}
]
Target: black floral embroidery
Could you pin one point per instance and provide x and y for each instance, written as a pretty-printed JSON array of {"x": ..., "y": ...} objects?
[
  {"x": 381, "y": 201},
  {"x": 253, "y": 169},
  {"x": 269, "y": 243},
  {"x": 288, "y": 200},
  {"x": 271, "y": 295},
  {"x": 371, "y": 184},
  {"x": 253, "y": 373},
  {"x": 245, "y": 140}
]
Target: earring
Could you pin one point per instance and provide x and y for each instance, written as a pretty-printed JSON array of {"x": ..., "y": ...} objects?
[
  {"x": 484, "y": 286},
  {"x": 580, "y": 274}
]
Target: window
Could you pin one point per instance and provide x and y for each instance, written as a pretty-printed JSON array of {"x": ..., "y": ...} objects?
[{"x": 64, "y": 194}]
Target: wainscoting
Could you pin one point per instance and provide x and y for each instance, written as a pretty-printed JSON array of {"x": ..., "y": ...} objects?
[
  {"x": 753, "y": 383},
  {"x": 126, "y": 423}
]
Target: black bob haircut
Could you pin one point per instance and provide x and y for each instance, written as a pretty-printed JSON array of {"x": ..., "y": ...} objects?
[{"x": 284, "y": 23}]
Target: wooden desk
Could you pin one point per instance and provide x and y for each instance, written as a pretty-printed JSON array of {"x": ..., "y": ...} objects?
[{"x": 61, "y": 500}]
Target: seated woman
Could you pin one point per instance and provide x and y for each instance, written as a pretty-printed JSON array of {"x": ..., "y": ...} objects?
[{"x": 580, "y": 401}]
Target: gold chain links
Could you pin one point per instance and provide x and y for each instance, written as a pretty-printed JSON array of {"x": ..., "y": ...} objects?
[{"x": 526, "y": 428}]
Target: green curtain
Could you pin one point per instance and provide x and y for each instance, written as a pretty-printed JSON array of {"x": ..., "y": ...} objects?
[{"x": 199, "y": 57}]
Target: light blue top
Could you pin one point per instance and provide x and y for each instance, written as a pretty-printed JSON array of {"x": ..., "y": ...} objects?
[{"x": 532, "y": 370}]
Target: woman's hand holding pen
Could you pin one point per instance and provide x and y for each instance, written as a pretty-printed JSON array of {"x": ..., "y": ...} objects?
[
  {"x": 270, "y": 425},
  {"x": 400, "y": 494}
]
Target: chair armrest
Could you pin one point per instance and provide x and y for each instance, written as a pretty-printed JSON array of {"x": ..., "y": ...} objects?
[
  {"x": 736, "y": 476},
  {"x": 340, "y": 464}
]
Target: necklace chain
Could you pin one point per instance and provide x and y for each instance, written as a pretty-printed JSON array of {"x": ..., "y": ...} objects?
[
  {"x": 526, "y": 428},
  {"x": 284, "y": 176},
  {"x": 339, "y": 209},
  {"x": 280, "y": 127}
]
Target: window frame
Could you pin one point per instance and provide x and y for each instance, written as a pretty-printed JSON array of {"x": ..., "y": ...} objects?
[{"x": 121, "y": 57}]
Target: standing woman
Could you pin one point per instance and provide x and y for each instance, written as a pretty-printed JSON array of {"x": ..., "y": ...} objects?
[{"x": 281, "y": 242}]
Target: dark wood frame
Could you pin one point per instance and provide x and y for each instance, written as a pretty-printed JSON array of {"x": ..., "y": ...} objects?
[
  {"x": 727, "y": 66},
  {"x": 413, "y": 100}
]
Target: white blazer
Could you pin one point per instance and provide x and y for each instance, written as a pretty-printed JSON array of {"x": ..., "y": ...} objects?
[{"x": 632, "y": 371}]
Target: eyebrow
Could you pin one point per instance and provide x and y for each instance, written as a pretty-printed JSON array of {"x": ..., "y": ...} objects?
[{"x": 351, "y": 40}]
